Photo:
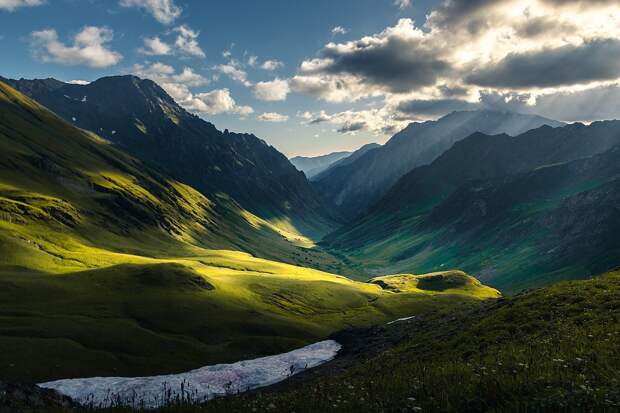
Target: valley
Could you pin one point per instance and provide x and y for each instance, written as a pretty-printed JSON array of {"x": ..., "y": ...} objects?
[{"x": 421, "y": 218}]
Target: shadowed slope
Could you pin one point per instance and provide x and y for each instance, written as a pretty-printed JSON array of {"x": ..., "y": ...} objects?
[{"x": 356, "y": 186}]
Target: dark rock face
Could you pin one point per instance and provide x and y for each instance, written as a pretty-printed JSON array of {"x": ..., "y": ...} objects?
[
  {"x": 142, "y": 119},
  {"x": 29, "y": 398}
]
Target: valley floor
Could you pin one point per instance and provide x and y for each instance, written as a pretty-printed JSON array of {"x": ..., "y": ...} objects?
[{"x": 548, "y": 350}]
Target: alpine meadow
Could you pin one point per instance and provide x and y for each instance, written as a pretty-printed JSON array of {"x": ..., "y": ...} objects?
[{"x": 315, "y": 206}]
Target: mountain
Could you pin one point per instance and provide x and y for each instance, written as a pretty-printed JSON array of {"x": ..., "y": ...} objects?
[
  {"x": 518, "y": 211},
  {"x": 355, "y": 187},
  {"x": 314, "y": 165},
  {"x": 347, "y": 160},
  {"x": 143, "y": 120},
  {"x": 110, "y": 267}
]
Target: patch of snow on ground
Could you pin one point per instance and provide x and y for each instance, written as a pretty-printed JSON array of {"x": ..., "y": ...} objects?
[
  {"x": 400, "y": 319},
  {"x": 197, "y": 385}
]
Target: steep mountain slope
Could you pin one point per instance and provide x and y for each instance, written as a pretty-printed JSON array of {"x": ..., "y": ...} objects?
[
  {"x": 106, "y": 266},
  {"x": 313, "y": 165},
  {"x": 142, "y": 119},
  {"x": 357, "y": 186},
  {"x": 506, "y": 208},
  {"x": 345, "y": 161}
]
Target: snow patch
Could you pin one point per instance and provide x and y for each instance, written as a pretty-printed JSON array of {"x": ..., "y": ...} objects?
[
  {"x": 197, "y": 385},
  {"x": 398, "y": 320},
  {"x": 84, "y": 99}
]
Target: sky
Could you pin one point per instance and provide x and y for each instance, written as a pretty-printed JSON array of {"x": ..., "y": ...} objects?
[{"x": 315, "y": 76}]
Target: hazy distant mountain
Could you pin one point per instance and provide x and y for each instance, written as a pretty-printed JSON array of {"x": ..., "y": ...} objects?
[
  {"x": 347, "y": 160},
  {"x": 517, "y": 211},
  {"x": 355, "y": 187},
  {"x": 313, "y": 165},
  {"x": 144, "y": 120}
]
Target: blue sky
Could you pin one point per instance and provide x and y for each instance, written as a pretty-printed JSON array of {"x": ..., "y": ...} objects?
[{"x": 389, "y": 63}]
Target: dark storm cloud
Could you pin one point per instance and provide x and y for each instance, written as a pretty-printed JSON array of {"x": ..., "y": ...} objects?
[
  {"x": 435, "y": 107},
  {"x": 593, "y": 61},
  {"x": 393, "y": 60},
  {"x": 352, "y": 127}
]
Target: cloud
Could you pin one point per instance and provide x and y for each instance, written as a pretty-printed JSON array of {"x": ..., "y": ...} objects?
[
  {"x": 165, "y": 74},
  {"x": 12, "y": 5},
  {"x": 402, "y": 4},
  {"x": 164, "y": 11},
  {"x": 434, "y": 108},
  {"x": 89, "y": 47},
  {"x": 78, "y": 82},
  {"x": 339, "y": 30},
  {"x": 154, "y": 46},
  {"x": 597, "y": 60},
  {"x": 272, "y": 117},
  {"x": 219, "y": 101},
  {"x": 235, "y": 72},
  {"x": 271, "y": 65},
  {"x": 274, "y": 90},
  {"x": 186, "y": 41},
  {"x": 528, "y": 52},
  {"x": 377, "y": 121},
  {"x": 252, "y": 61},
  {"x": 398, "y": 59},
  {"x": 185, "y": 44}
]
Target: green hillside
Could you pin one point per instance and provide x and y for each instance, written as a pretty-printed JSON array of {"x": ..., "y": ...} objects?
[
  {"x": 548, "y": 350},
  {"x": 139, "y": 117},
  {"x": 110, "y": 268}
]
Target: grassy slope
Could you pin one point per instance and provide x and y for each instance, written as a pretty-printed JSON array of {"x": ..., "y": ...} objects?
[
  {"x": 105, "y": 267},
  {"x": 553, "y": 349}
]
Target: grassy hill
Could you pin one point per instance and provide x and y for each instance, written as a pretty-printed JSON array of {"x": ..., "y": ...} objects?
[
  {"x": 552, "y": 349},
  {"x": 108, "y": 267}
]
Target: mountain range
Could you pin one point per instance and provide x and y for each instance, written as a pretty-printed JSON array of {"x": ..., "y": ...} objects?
[
  {"x": 313, "y": 165},
  {"x": 354, "y": 187},
  {"x": 518, "y": 211}
]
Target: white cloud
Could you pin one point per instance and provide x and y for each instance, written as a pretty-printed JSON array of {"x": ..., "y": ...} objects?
[
  {"x": 12, "y": 5},
  {"x": 154, "y": 46},
  {"x": 219, "y": 101},
  {"x": 252, "y": 61},
  {"x": 272, "y": 117},
  {"x": 378, "y": 121},
  {"x": 271, "y": 65},
  {"x": 339, "y": 30},
  {"x": 274, "y": 90},
  {"x": 187, "y": 43},
  {"x": 164, "y": 11},
  {"x": 233, "y": 70},
  {"x": 89, "y": 47},
  {"x": 165, "y": 74},
  {"x": 178, "y": 86},
  {"x": 78, "y": 82},
  {"x": 402, "y": 4}
]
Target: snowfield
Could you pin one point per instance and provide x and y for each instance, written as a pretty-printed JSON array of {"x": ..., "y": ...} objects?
[{"x": 197, "y": 385}]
